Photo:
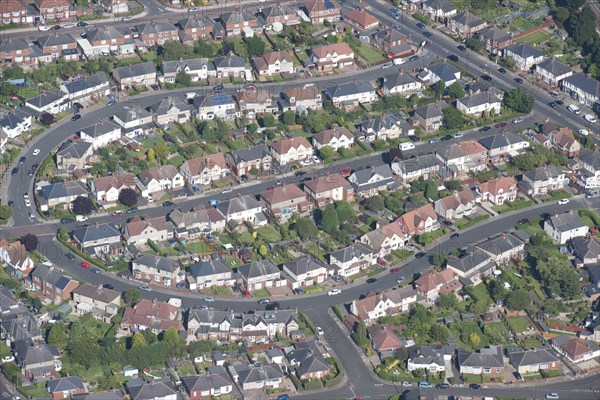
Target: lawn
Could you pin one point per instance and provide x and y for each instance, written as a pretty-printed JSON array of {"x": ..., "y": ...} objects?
[
  {"x": 497, "y": 333},
  {"x": 466, "y": 222},
  {"x": 261, "y": 293},
  {"x": 269, "y": 234},
  {"x": 531, "y": 343},
  {"x": 314, "y": 289},
  {"x": 198, "y": 247},
  {"x": 557, "y": 195},
  {"x": 512, "y": 206},
  {"x": 186, "y": 370},
  {"x": 480, "y": 293},
  {"x": 534, "y": 38},
  {"x": 33, "y": 391},
  {"x": 519, "y": 324},
  {"x": 370, "y": 54},
  {"x": 462, "y": 330},
  {"x": 222, "y": 291}
]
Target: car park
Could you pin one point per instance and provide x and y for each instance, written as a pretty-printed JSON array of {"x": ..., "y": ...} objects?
[
  {"x": 334, "y": 292},
  {"x": 36, "y": 152}
]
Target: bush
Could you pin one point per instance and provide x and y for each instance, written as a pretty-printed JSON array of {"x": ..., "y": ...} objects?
[
  {"x": 312, "y": 384},
  {"x": 338, "y": 313},
  {"x": 154, "y": 247},
  {"x": 296, "y": 382}
]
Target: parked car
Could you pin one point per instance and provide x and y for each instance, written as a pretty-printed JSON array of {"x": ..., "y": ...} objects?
[
  {"x": 452, "y": 57},
  {"x": 81, "y": 24},
  {"x": 218, "y": 88},
  {"x": 145, "y": 288},
  {"x": 214, "y": 202},
  {"x": 400, "y": 279},
  {"x": 168, "y": 203},
  {"x": 70, "y": 257},
  {"x": 501, "y": 70},
  {"x": 442, "y": 386},
  {"x": 36, "y": 152},
  {"x": 95, "y": 270},
  {"x": 43, "y": 28},
  {"x": 446, "y": 138},
  {"x": 559, "y": 102},
  {"x": 132, "y": 210},
  {"x": 345, "y": 171},
  {"x": 486, "y": 77},
  {"x": 319, "y": 330},
  {"x": 517, "y": 120},
  {"x": 85, "y": 264},
  {"x": 244, "y": 178},
  {"x": 484, "y": 129},
  {"x": 454, "y": 236},
  {"x": 75, "y": 117},
  {"x": 66, "y": 221},
  {"x": 264, "y": 301},
  {"x": 227, "y": 190},
  {"x": 433, "y": 141},
  {"x": 552, "y": 104},
  {"x": 501, "y": 125},
  {"x": 22, "y": 160},
  {"x": 334, "y": 292},
  {"x": 427, "y": 34},
  {"x": 284, "y": 396},
  {"x": 590, "y": 118},
  {"x": 395, "y": 270},
  {"x": 117, "y": 213},
  {"x": 27, "y": 203},
  {"x": 127, "y": 18},
  {"x": 552, "y": 395},
  {"x": 413, "y": 58},
  {"x": 562, "y": 202},
  {"x": 14, "y": 171},
  {"x": 475, "y": 386},
  {"x": 8, "y": 359},
  {"x": 108, "y": 286},
  {"x": 209, "y": 299},
  {"x": 519, "y": 80},
  {"x": 406, "y": 384},
  {"x": 55, "y": 27},
  {"x": 68, "y": 26},
  {"x": 371, "y": 280},
  {"x": 462, "y": 48},
  {"x": 523, "y": 221},
  {"x": 421, "y": 25},
  {"x": 583, "y": 132},
  {"x": 425, "y": 384},
  {"x": 459, "y": 134}
]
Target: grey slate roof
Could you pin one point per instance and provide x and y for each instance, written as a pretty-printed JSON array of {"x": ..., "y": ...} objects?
[
  {"x": 58, "y": 190},
  {"x": 193, "y": 22},
  {"x": 13, "y": 44},
  {"x": 347, "y": 253},
  {"x": 480, "y": 98},
  {"x": 583, "y": 82},
  {"x": 250, "y": 153},
  {"x": 100, "y": 128},
  {"x": 108, "y": 395},
  {"x": 531, "y": 357},
  {"x": 398, "y": 79},
  {"x": 131, "y": 113},
  {"x": 56, "y": 39},
  {"x": 13, "y": 119},
  {"x": 166, "y": 104},
  {"x": 469, "y": 262},
  {"x": 501, "y": 140},
  {"x": 443, "y": 5},
  {"x": 380, "y": 122},
  {"x": 65, "y": 384},
  {"x": 155, "y": 27},
  {"x": 215, "y": 317},
  {"x": 468, "y": 19},
  {"x": 207, "y": 268},
  {"x": 349, "y": 88},
  {"x": 89, "y": 82},
  {"x": 431, "y": 110},
  {"x": 181, "y": 65},
  {"x": 73, "y": 149},
  {"x": 51, "y": 275},
  {"x": 27, "y": 354},
  {"x": 542, "y": 173},
  {"x": 591, "y": 158},
  {"x": 229, "y": 61},
  {"x": 43, "y": 99},
  {"x": 446, "y": 72},
  {"x": 134, "y": 70},
  {"x": 237, "y": 205},
  {"x": 524, "y": 50},
  {"x": 309, "y": 358},
  {"x": 554, "y": 66},
  {"x": 487, "y": 358},
  {"x": 158, "y": 262},
  {"x": 585, "y": 247},
  {"x": 566, "y": 222},
  {"x": 362, "y": 177},
  {"x": 423, "y": 162},
  {"x": 92, "y": 233},
  {"x": 105, "y": 33},
  {"x": 199, "y": 383},
  {"x": 152, "y": 390},
  {"x": 500, "y": 244},
  {"x": 252, "y": 374},
  {"x": 302, "y": 265},
  {"x": 495, "y": 34},
  {"x": 258, "y": 268},
  {"x": 211, "y": 100}
]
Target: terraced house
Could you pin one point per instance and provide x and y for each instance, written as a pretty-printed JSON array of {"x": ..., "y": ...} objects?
[
  {"x": 157, "y": 33},
  {"x": 195, "y": 28},
  {"x": 15, "y": 51},
  {"x": 196, "y": 69},
  {"x": 143, "y": 74},
  {"x": 51, "y": 283}
]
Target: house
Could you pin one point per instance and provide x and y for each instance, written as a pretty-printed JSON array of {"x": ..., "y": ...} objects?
[
  {"x": 439, "y": 10},
  {"x": 307, "y": 360},
  {"x": 291, "y": 150},
  {"x": 465, "y": 24},
  {"x": 115, "y": 7},
  {"x": 63, "y": 388},
  {"x": 444, "y": 72},
  {"x": 101, "y": 134},
  {"x": 215, "y": 105},
  {"x": 351, "y": 94},
  {"x": 432, "y": 283},
  {"x": 107, "y": 188},
  {"x": 51, "y": 283},
  {"x": 204, "y": 170},
  {"x": 383, "y": 127},
  {"x": 320, "y": 11},
  {"x": 196, "y": 69},
  {"x": 134, "y": 121},
  {"x": 337, "y": 138},
  {"x": 56, "y": 194},
  {"x": 157, "y": 33},
  {"x": 542, "y": 180},
  {"x": 102, "y": 302},
  {"x": 104, "y": 41},
  {"x": 401, "y": 83},
  {"x": 587, "y": 250},
  {"x": 524, "y": 55},
  {"x": 457, "y": 205},
  {"x": 36, "y": 361},
  {"x": 480, "y": 104},
  {"x": 170, "y": 109},
  {"x": 53, "y": 101},
  {"x": 194, "y": 28},
  {"x": 564, "y": 141},
  {"x": 472, "y": 266},
  {"x": 242, "y": 209},
  {"x": 304, "y": 271},
  {"x": 425, "y": 166},
  {"x": 278, "y": 13},
  {"x": 302, "y": 98},
  {"x": 487, "y": 362},
  {"x": 257, "y": 158},
  {"x": 430, "y": 358},
  {"x": 385, "y": 341},
  {"x": 156, "y": 179},
  {"x": 238, "y": 22},
  {"x": 552, "y": 71},
  {"x": 575, "y": 350},
  {"x": 203, "y": 324},
  {"x": 418, "y": 221},
  {"x": 533, "y": 361},
  {"x": 503, "y": 248},
  {"x": 57, "y": 45},
  {"x": 276, "y": 62},
  {"x": 392, "y": 43},
  {"x": 501, "y": 146},
  {"x": 582, "y": 88},
  {"x": 253, "y": 101},
  {"x": 15, "y": 258},
  {"x": 259, "y": 377},
  {"x": 329, "y": 56},
  {"x": 198, "y": 222},
  {"x": 139, "y": 231},
  {"x": 210, "y": 273},
  {"x": 371, "y": 307},
  {"x": 15, "y": 123},
  {"x": 18, "y": 323},
  {"x": 260, "y": 274},
  {"x": 14, "y": 12},
  {"x": 286, "y": 200},
  {"x": 90, "y": 87},
  {"x": 103, "y": 238},
  {"x": 230, "y": 66},
  {"x": 462, "y": 157},
  {"x": 161, "y": 390},
  {"x": 53, "y": 10},
  {"x": 360, "y": 20},
  {"x": 143, "y": 74},
  {"x": 349, "y": 260},
  {"x": 495, "y": 39},
  {"x": 385, "y": 239},
  {"x": 370, "y": 181},
  {"x": 497, "y": 191},
  {"x": 150, "y": 314},
  {"x": 589, "y": 173},
  {"x": 430, "y": 116},
  {"x": 564, "y": 227},
  {"x": 328, "y": 189},
  {"x": 211, "y": 384}
]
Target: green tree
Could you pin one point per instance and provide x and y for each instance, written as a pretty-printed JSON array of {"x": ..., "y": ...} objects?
[
  {"x": 128, "y": 197},
  {"x": 329, "y": 221},
  {"x": 439, "y": 259},
  {"x": 138, "y": 340},
  {"x": 447, "y": 301},
  {"x": 131, "y": 296},
  {"x": 453, "y": 118},
  {"x": 267, "y": 120},
  {"x": 262, "y": 250},
  {"x": 431, "y": 191},
  {"x": 456, "y": 91},
  {"x": 5, "y": 212},
  {"x": 439, "y": 333},
  {"x": 306, "y": 228},
  {"x": 474, "y": 44},
  {"x": 183, "y": 79},
  {"x": 288, "y": 118},
  {"x": 518, "y": 300},
  {"x": 151, "y": 156},
  {"x": 171, "y": 336},
  {"x": 497, "y": 290},
  {"x": 255, "y": 46},
  {"x": 162, "y": 152},
  {"x": 326, "y": 153},
  {"x": 518, "y": 100},
  {"x": 374, "y": 203},
  {"x": 172, "y": 50},
  {"x": 474, "y": 339},
  {"x": 57, "y": 335},
  {"x": 452, "y": 185},
  {"x": 203, "y": 49},
  {"x": 440, "y": 88},
  {"x": 345, "y": 212},
  {"x": 82, "y": 205}
]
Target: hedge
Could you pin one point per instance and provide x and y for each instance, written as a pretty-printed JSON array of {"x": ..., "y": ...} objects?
[
  {"x": 329, "y": 382},
  {"x": 338, "y": 313},
  {"x": 154, "y": 247},
  {"x": 591, "y": 215},
  {"x": 312, "y": 384},
  {"x": 296, "y": 382},
  {"x": 94, "y": 261}
]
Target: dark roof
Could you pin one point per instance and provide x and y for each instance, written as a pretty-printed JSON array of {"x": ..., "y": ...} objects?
[
  {"x": 13, "y": 44},
  {"x": 309, "y": 358},
  {"x": 431, "y": 110},
  {"x": 349, "y": 88},
  {"x": 591, "y": 158},
  {"x": 566, "y": 222},
  {"x": 380, "y": 122},
  {"x": 58, "y": 190},
  {"x": 257, "y": 268},
  {"x": 238, "y": 205},
  {"x": 73, "y": 149},
  {"x": 152, "y": 390},
  {"x": 100, "y": 128},
  {"x": 250, "y": 374},
  {"x": 347, "y": 253},
  {"x": 158, "y": 262},
  {"x": 495, "y": 34},
  {"x": 555, "y": 67},
  {"x": 487, "y": 357},
  {"x": 250, "y": 153},
  {"x": 400, "y": 78},
  {"x": 54, "y": 276},
  {"x": 585, "y": 83},
  {"x": 302, "y": 265},
  {"x": 93, "y": 233},
  {"x": 446, "y": 72},
  {"x": 46, "y": 98},
  {"x": 199, "y": 383},
  {"x": 207, "y": 268},
  {"x": 501, "y": 140},
  {"x": 13, "y": 119},
  {"x": 468, "y": 19},
  {"x": 134, "y": 70},
  {"x": 524, "y": 50},
  {"x": 66, "y": 384},
  {"x": 229, "y": 61},
  {"x": 469, "y": 262},
  {"x": 480, "y": 98},
  {"x": 543, "y": 173},
  {"x": 56, "y": 39},
  {"x": 89, "y": 82},
  {"x": 500, "y": 244}
]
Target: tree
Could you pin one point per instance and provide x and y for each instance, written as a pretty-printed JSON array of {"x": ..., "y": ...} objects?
[
  {"x": 267, "y": 120},
  {"x": 57, "y": 335},
  {"x": 82, "y": 205},
  {"x": 171, "y": 336},
  {"x": 497, "y": 290},
  {"x": 151, "y": 155},
  {"x": 452, "y": 185},
  {"x": 440, "y": 88},
  {"x": 329, "y": 221},
  {"x": 162, "y": 152},
  {"x": 306, "y": 228},
  {"x": 255, "y": 46},
  {"x": 138, "y": 340},
  {"x": 453, "y": 118},
  {"x": 439, "y": 259},
  {"x": 439, "y": 333},
  {"x": 474, "y": 44},
  {"x": 30, "y": 241},
  {"x": 447, "y": 301},
  {"x": 431, "y": 191},
  {"x": 128, "y": 197},
  {"x": 326, "y": 153},
  {"x": 288, "y": 118},
  {"x": 203, "y": 49},
  {"x": 262, "y": 250},
  {"x": 518, "y": 100},
  {"x": 172, "y": 50},
  {"x": 374, "y": 203},
  {"x": 518, "y": 300},
  {"x": 131, "y": 296},
  {"x": 5, "y": 212},
  {"x": 345, "y": 212},
  {"x": 456, "y": 91},
  {"x": 474, "y": 339},
  {"x": 183, "y": 79}
]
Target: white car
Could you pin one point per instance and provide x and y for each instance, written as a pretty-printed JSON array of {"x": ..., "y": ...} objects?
[
  {"x": 583, "y": 132},
  {"x": 319, "y": 330},
  {"x": 406, "y": 384},
  {"x": 27, "y": 203},
  {"x": 386, "y": 65},
  {"x": 68, "y": 26},
  {"x": 552, "y": 395},
  {"x": 43, "y": 28},
  {"x": 127, "y": 18},
  {"x": 209, "y": 299},
  {"x": 7, "y": 359},
  {"x": 333, "y": 292},
  {"x": 228, "y": 190},
  {"x": 590, "y": 118},
  {"x": 517, "y": 120},
  {"x": 459, "y": 134},
  {"x": 306, "y": 162},
  {"x": 562, "y": 202},
  {"x": 36, "y": 152},
  {"x": 316, "y": 159}
]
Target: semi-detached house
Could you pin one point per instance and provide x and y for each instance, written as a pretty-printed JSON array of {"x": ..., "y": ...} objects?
[
  {"x": 155, "y": 179},
  {"x": 542, "y": 180},
  {"x": 15, "y": 123},
  {"x": 349, "y": 260},
  {"x": 195, "y": 28},
  {"x": 157, "y": 269},
  {"x": 524, "y": 55},
  {"x": 101, "y": 134},
  {"x": 328, "y": 189},
  {"x": 53, "y": 101},
  {"x": 286, "y": 200},
  {"x": 302, "y": 97},
  {"x": 552, "y": 71},
  {"x": 242, "y": 209},
  {"x": 304, "y": 271},
  {"x": 257, "y": 157},
  {"x": 143, "y": 74},
  {"x": 57, "y": 45},
  {"x": 261, "y": 274},
  {"x": 589, "y": 173},
  {"x": 196, "y": 69},
  {"x": 170, "y": 109},
  {"x": 276, "y": 62},
  {"x": 336, "y": 138},
  {"x": 564, "y": 227},
  {"x": 329, "y": 56},
  {"x": 204, "y": 170},
  {"x": 480, "y": 104},
  {"x": 15, "y": 51},
  {"x": 291, "y": 150},
  {"x": 582, "y": 88},
  {"x": 210, "y": 273},
  {"x": 102, "y": 302},
  {"x": 138, "y": 231},
  {"x": 51, "y": 283},
  {"x": 90, "y": 87},
  {"x": 97, "y": 239},
  {"x": 352, "y": 94},
  {"x": 134, "y": 121},
  {"x": 61, "y": 193},
  {"x": 215, "y": 105},
  {"x": 106, "y": 189}
]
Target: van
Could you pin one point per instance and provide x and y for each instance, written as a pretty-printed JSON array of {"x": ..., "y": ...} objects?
[
  {"x": 399, "y": 61},
  {"x": 407, "y": 146},
  {"x": 590, "y": 118},
  {"x": 574, "y": 109},
  {"x": 81, "y": 218},
  {"x": 592, "y": 193}
]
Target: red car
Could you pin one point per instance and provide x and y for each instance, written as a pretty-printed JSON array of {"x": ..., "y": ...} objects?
[
  {"x": 85, "y": 264},
  {"x": 501, "y": 125},
  {"x": 593, "y": 230},
  {"x": 117, "y": 213},
  {"x": 381, "y": 262},
  {"x": 394, "y": 270},
  {"x": 345, "y": 171}
]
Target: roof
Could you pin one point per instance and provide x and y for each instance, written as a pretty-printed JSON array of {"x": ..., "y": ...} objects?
[
  {"x": 104, "y": 33},
  {"x": 574, "y": 348},
  {"x": 384, "y": 339},
  {"x": 501, "y": 140},
  {"x": 469, "y": 262},
  {"x": 252, "y": 374},
  {"x": 349, "y": 89},
  {"x": 591, "y": 158},
  {"x": 283, "y": 193},
  {"x": 586, "y": 247},
  {"x": 554, "y": 66},
  {"x": 67, "y": 384},
  {"x": 326, "y": 136},
  {"x": 54, "y": 276},
  {"x": 303, "y": 265},
  {"x": 410, "y": 221},
  {"x": 432, "y": 110},
  {"x": 108, "y": 395},
  {"x": 200, "y": 383},
  {"x": 531, "y": 357},
  {"x": 100, "y": 128},
  {"x": 152, "y": 27},
  {"x": 543, "y": 173},
  {"x": 347, "y": 253},
  {"x": 158, "y": 262},
  {"x": 583, "y": 82},
  {"x": 495, "y": 34},
  {"x": 98, "y": 293},
  {"x": 498, "y": 185},
  {"x": 44, "y": 99},
  {"x": 208, "y": 268},
  {"x": 215, "y": 317},
  {"x": 168, "y": 105},
  {"x": 154, "y": 314},
  {"x": 431, "y": 279},
  {"x": 501, "y": 244},
  {"x": 13, "y": 119},
  {"x": 73, "y": 149},
  {"x": 367, "y": 304},
  {"x": 238, "y": 205},
  {"x": 309, "y": 358},
  {"x": 487, "y": 357},
  {"x": 444, "y": 71},
  {"x": 27, "y": 354},
  {"x": 419, "y": 163},
  {"x": 462, "y": 149},
  {"x": 13, "y": 44},
  {"x": 117, "y": 181},
  {"x": 257, "y": 269},
  {"x": 60, "y": 190},
  {"x": 250, "y": 153},
  {"x": 55, "y": 40},
  {"x": 131, "y": 113},
  {"x": 468, "y": 19},
  {"x": 371, "y": 178},
  {"x": 153, "y": 390},
  {"x": 284, "y": 146},
  {"x": 477, "y": 99},
  {"x": 90, "y": 82},
  {"x": 229, "y": 61},
  {"x": 443, "y": 5},
  {"x": 361, "y": 17},
  {"x": 197, "y": 165},
  {"x": 196, "y": 21},
  {"x": 264, "y": 61},
  {"x": 400, "y": 78},
  {"x": 197, "y": 216},
  {"x": 134, "y": 70},
  {"x": 524, "y": 50},
  {"x": 380, "y": 122},
  {"x": 326, "y": 182},
  {"x": 462, "y": 197},
  {"x": 254, "y": 96},
  {"x": 306, "y": 92},
  {"x": 564, "y": 137},
  {"x": 566, "y": 222},
  {"x": 164, "y": 172},
  {"x": 212, "y": 100},
  {"x": 92, "y": 233}
]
